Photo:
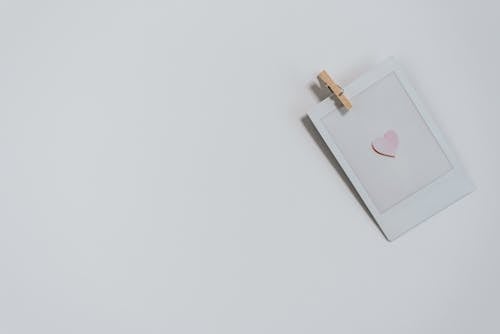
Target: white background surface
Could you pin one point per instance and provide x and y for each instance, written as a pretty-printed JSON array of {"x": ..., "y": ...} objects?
[{"x": 156, "y": 176}]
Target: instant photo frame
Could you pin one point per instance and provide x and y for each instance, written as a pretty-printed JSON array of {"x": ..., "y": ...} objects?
[{"x": 421, "y": 179}]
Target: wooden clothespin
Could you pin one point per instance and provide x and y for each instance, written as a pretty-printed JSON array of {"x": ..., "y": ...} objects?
[{"x": 336, "y": 89}]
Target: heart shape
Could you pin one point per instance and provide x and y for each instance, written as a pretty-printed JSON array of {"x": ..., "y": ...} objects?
[{"x": 386, "y": 145}]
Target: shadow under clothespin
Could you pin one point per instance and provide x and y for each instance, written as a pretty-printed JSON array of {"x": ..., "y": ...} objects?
[{"x": 338, "y": 92}]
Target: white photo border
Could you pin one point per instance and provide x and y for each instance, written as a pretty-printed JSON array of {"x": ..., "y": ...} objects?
[{"x": 429, "y": 200}]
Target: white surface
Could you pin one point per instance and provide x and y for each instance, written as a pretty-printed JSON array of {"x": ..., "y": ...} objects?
[
  {"x": 156, "y": 176},
  {"x": 423, "y": 178}
]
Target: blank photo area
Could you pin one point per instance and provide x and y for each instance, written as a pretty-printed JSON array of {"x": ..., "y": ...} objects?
[{"x": 419, "y": 160}]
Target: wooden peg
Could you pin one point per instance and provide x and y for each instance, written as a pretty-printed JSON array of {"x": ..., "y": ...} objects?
[{"x": 336, "y": 89}]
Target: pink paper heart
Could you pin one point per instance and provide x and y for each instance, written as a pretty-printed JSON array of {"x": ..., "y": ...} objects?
[{"x": 386, "y": 145}]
